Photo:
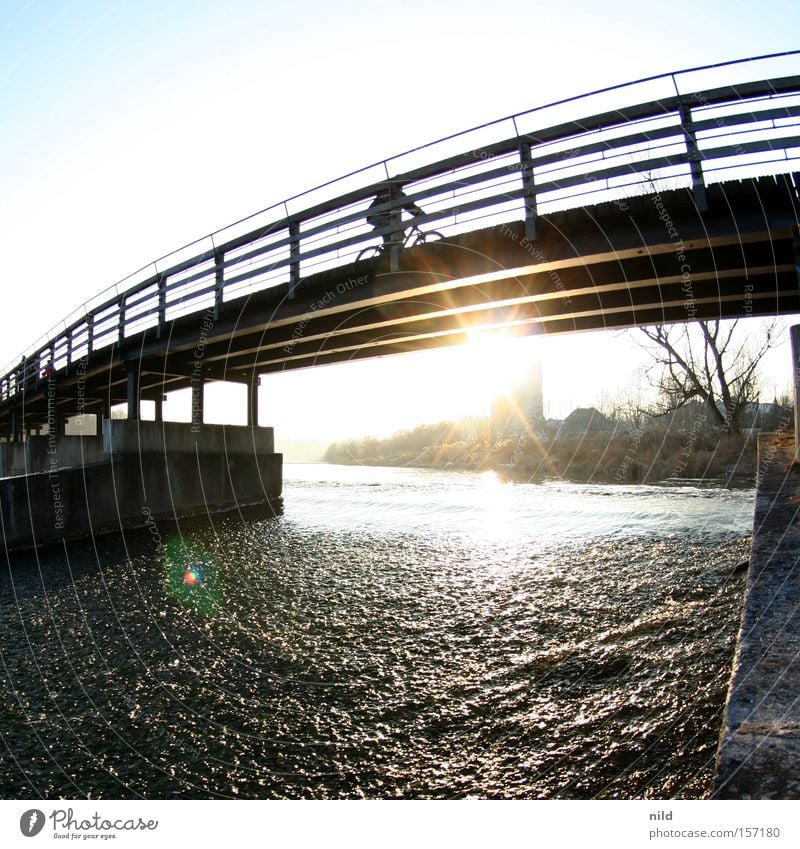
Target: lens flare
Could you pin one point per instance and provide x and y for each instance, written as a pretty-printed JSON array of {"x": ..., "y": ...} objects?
[{"x": 191, "y": 576}]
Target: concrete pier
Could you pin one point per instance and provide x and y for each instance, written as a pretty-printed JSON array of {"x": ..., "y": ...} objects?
[
  {"x": 136, "y": 472},
  {"x": 759, "y": 754},
  {"x": 43, "y": 453}
]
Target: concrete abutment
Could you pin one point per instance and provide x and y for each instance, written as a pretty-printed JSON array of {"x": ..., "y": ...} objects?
[
  {"x": 759, "y": 753},
  {"x": 64, "y": 487}
]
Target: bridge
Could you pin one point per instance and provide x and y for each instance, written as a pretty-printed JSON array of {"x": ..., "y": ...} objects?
[
  {"x": 670, "y": 199},
  {"x": 638, "y": 211}
]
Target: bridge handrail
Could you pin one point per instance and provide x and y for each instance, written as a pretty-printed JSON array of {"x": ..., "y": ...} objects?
[{"x": 108, "y": 317}]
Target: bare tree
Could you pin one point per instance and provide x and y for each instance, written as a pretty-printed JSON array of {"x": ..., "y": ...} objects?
[
  {"x": 627, "y": 403},
  {"x": 711, "y": 361}
]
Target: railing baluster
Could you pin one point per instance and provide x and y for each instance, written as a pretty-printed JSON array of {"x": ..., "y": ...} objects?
[
  {"x": 294, "y": 256},
  {"x": 398, "y": 232},
  {"x": 219, "y": 282},
  {"x": 162, "y": 304},
  {"x": 529, "y": 187},
  {"x": 122, "y": 319},
  {"x": 694, "y": 157}
]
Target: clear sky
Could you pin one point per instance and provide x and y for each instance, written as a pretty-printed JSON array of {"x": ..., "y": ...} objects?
[{"x": 131, "y": 128}]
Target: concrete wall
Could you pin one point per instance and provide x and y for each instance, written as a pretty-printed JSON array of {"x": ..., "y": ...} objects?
[
  {"x": 121, "y": 436},
  {"x": 138, "y": 483},
  {"x": 43, "y": 454},
  {"x": 759, "y": 753},
  {"x": 12, "y": 459}
]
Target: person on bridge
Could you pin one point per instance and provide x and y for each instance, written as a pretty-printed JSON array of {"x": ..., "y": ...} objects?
[{"x": 393, "y": 193}]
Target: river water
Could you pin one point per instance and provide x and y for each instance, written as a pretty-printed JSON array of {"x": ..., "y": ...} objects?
[{"x": 397, "y": 633}]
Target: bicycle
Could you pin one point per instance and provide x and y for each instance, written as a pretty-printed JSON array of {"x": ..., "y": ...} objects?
[{"x": 414, "y": 237}]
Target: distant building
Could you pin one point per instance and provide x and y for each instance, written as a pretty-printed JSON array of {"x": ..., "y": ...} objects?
[
  {"x": 587, "y": 420},
  {"x": 522, "y": 408},
  {"x": 757, "y": 416},
  {"x": 753, "y": 417}
]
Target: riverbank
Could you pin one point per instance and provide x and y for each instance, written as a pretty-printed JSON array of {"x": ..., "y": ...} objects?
[
  {"x": 648, "y": 455},
  {"x": 759, "y": 755}
]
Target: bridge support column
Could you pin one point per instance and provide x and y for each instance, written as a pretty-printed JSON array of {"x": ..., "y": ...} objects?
[
  {"x": 133, "y": 393},
  {"x": 159, "y": 402},
  {"x": 16, "y": 425},
  {"x": 198, "y": 400},
  {"x": 252, "y": 401},
  {"x": 55, "y": 425}
]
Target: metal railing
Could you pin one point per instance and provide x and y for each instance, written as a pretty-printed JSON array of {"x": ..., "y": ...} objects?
[{"x": 684, "y": 129}]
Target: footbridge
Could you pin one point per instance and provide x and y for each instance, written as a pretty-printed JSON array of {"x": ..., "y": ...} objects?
[{"x": 668, "y": 199}]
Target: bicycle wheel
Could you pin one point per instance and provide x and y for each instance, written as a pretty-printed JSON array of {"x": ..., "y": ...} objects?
[
  {"x": 425, "y": 236},
  {"x": 371, "y": 252}
]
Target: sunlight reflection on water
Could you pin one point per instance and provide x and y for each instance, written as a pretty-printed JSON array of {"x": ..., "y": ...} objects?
[
  {"x": 482, "y": 505},
  {"x": 396, "y": 633}
]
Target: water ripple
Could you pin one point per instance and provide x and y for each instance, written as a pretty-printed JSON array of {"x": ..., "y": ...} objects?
[{"x": 396, "y": 634}]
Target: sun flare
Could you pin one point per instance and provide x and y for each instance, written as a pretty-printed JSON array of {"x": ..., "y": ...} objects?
[{"x": 494, "y": 361}]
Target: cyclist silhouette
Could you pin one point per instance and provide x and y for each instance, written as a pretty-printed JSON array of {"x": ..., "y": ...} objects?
[{"x": 386, "y": 217}]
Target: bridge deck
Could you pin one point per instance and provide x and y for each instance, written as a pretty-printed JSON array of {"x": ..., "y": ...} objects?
[{"x": 656, "y": 260}]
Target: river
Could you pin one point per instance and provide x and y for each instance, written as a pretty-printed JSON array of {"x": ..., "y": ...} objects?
[{"x": 397, "y": 633}]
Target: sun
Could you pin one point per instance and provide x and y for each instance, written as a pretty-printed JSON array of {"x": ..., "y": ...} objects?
[{"x": 492, "y": 358}]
